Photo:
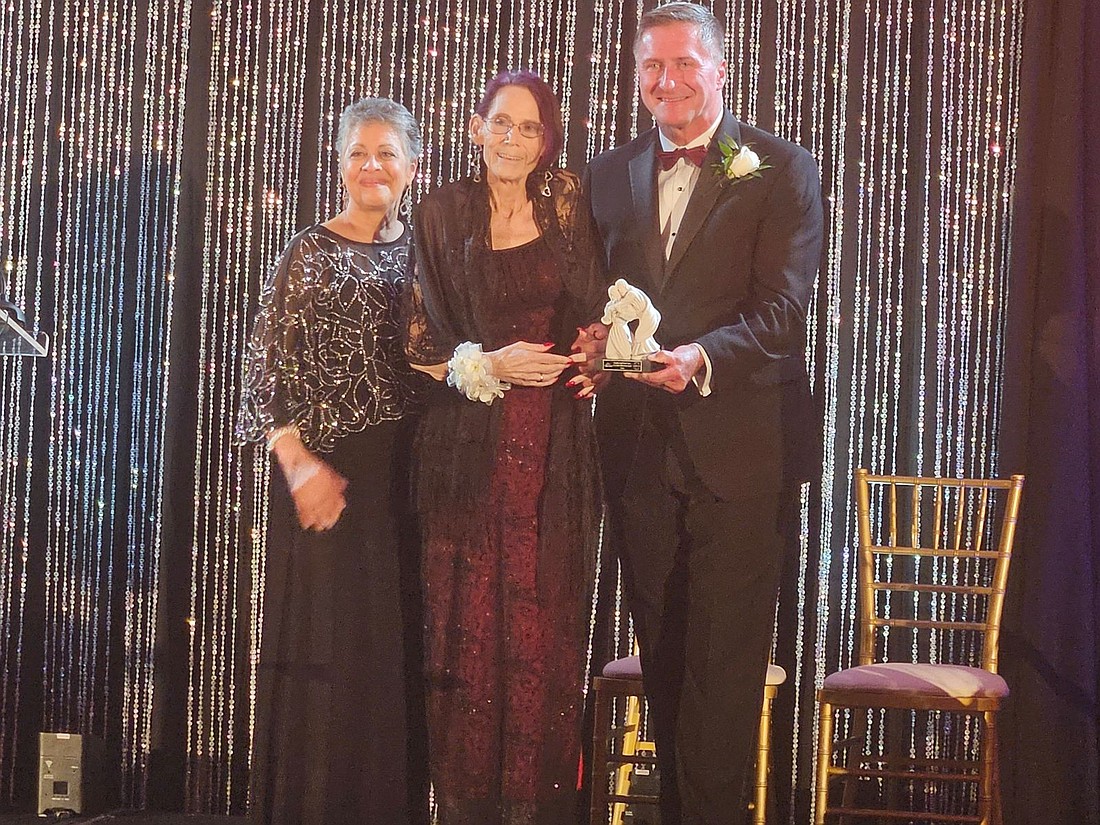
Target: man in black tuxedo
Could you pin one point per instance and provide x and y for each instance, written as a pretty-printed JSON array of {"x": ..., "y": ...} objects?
[{"x": 704, "y": 456}]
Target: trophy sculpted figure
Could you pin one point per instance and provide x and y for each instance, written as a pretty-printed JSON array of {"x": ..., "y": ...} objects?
[{"x": 626, "y": 349}]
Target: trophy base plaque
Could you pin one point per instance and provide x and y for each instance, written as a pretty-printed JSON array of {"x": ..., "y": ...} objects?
[{"x": 630, "y": 365}]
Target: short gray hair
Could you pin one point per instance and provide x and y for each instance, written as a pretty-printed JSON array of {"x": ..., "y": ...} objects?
[
  {"x": 711, "y": 33},
  {"x": 379, "y": 110}
]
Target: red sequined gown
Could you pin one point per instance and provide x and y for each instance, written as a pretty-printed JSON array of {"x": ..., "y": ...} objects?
[{"x": 504, "y": 670}]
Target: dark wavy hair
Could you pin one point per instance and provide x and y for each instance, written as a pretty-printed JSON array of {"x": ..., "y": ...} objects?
[{"x": 553, "y": 139}]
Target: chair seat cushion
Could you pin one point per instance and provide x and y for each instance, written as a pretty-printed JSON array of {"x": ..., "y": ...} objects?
[
  {"x": 630, "y": 667},
  {"x": 948, "y": 681}
]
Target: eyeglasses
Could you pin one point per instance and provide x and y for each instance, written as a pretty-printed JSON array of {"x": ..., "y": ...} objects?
[{"x": 501, "y": 125}]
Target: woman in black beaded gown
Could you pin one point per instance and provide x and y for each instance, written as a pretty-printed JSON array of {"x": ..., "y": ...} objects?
[
  {"x": 506, "y": 476},
  {"x": 339, "y": 734}
]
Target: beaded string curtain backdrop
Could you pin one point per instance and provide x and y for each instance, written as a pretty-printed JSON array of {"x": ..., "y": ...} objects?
[
  {"x": 22, "y": 165},
  {"x": 908, "y": 106},
  {"x": 92, "y": 95},
  {"x": 915, "y": 139},
  {"x": 253, "y": 141}
]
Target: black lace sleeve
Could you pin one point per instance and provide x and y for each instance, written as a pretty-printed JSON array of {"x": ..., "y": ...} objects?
[
  {"x": 326, "y": 353},
  {"x": 585, "y": 276},
  {"x": 421, "y": 346},
  {"x": 437, "y": 309},
  {"x": 274, "y": 337}
]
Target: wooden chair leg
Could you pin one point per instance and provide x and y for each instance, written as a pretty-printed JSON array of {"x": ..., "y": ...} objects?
[
  {"x": 760, "y": 798},
  {"x": 602, "y": 748},
  {"x": 986, "y": 782},
  {"x": 601, "y": 742},
  {"x": 998, "y": 811},
  {"x": 631, "y": 724},
  {"x": 857, "y": 739},
  {"x": 824, "y": 758}
]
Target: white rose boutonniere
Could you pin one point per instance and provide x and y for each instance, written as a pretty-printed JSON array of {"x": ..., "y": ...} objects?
[{"x": 739, "y": 162}]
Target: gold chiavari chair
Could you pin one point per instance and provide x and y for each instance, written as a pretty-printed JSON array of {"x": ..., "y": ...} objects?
[
  {"x": 617, "y": 753},
  {"x": 932, "y": 568}
]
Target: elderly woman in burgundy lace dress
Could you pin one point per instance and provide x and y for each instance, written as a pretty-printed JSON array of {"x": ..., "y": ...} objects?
[{"x": 506, "y": 474}]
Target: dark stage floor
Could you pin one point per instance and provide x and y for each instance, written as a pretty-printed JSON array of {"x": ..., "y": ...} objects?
[{"x": 123, "y": 819}]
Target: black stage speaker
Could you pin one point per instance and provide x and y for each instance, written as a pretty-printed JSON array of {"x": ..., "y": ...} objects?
[{"x": 72, "y": 774}]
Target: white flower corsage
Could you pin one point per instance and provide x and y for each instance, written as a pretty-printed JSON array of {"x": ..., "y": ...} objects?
[
  {"x": 471, "y": 373},
  {"x": 739, "y": 162}
]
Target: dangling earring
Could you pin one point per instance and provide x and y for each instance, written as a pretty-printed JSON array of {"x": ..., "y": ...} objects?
[
  {"x": 406, "y": 207},
  {"x": 546, "y": 184},
  {"x": 477, "y": 163}
]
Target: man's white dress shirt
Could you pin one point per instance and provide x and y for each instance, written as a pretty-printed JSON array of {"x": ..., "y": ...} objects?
[{"x": 674, "y": 188}]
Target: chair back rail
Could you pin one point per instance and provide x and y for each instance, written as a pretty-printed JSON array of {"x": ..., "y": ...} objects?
[{"x": 933, "y": 562}]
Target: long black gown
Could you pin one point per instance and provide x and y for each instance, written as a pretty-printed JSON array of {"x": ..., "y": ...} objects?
[{"x": 339, "y": 735}]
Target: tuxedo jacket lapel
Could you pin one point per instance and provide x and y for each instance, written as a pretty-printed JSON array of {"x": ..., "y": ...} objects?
[
  {"x": 705, "y": 194},
  {"x": 643, "y": 191}
]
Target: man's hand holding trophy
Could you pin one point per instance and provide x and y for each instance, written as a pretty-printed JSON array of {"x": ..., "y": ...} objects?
[{"x": 633, "y": 352}]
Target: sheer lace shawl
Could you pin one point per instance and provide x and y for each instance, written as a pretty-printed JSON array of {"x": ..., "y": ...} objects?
[
  {"x": 450, "y": 295},
  {"x": 326, "y": 349},
  {"x": 449, "y": 302}
]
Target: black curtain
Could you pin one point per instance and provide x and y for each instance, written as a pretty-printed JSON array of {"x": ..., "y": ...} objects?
[
  {"x": 1051, "y": 430},
  {"x": 165, "y": 788}
]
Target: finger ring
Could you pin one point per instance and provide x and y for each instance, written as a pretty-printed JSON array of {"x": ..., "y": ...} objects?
[{"x": 540, "y": 376}]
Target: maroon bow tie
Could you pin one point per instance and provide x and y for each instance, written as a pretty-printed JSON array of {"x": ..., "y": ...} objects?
[{"x": 694, "y": 155}]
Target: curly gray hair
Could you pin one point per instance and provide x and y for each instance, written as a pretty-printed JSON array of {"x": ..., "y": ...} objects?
[{"x": 379, "y": 110}]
